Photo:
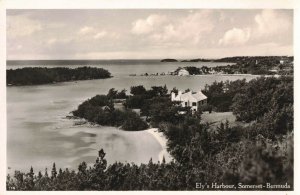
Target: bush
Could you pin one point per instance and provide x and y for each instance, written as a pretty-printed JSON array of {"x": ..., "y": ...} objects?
[{"x": 133, "y": 122}]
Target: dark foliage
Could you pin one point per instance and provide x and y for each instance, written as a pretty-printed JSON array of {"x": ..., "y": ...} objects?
[
  {"x": 100, "y": 110},
  {"x": 220, "y": 94},
  {"x": 36, "y": 76},
  {"x": 169, "y": 60},
  {"x": 114, "y": 94},
  {"x": 138, "y": 90},
  {"x": 261, "y": 95}
]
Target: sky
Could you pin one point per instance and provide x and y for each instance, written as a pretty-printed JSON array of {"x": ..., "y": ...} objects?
[{"x": 147, "y": 33}]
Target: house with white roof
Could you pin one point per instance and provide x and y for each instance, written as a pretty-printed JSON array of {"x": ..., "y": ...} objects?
[
  {"x": 183, "y": 72},
  {"x": 190, "y": 99}
]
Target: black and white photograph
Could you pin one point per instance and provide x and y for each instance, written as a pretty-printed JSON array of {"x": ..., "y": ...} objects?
[{"x": 179, "y": 99}]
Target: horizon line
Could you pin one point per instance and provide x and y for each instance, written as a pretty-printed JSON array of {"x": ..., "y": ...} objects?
[{"x": 152, "y": 58}]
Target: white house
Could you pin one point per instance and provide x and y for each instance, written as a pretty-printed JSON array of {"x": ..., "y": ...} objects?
[
  {"x": 183, "y": 72},
  {"x": 191, "y": 99}
]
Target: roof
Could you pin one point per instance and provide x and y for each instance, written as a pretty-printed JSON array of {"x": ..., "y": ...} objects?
[
  {"x": 194, "y": 96},
  {"x": 183, "y": 70}
]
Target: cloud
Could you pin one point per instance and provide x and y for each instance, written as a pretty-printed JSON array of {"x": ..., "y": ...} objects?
[
  {"x": 51, "y": 41},
  {"x": 86, "y": 30},
  {"x": 148, "y": 25},
  {"x": 100, "y": 35},
  {"x": 21, "y": 25},
  {"x": 270, "y": 22},
  {"x": 19, "y": 47},
  {"x": 266, "y": 26},
  {"x": 162, "y": 30},
  {"x": 235, "y": 36},
  {"x": 189, "y": 29},
  {"x": 148, "y": 33}
]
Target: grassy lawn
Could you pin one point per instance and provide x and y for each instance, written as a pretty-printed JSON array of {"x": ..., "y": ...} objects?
[{"x": 215, "y": 118}]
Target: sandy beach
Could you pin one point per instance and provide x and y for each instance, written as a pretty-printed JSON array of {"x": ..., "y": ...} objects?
[{"x": 159, "y": 136}]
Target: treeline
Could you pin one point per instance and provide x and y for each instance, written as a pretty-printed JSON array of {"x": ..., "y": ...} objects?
[
  {"x": 269, "y": 60},
  {"x": 38, "y": 75},
  {"x": 258, "y": 65},
  {"x": 197, "y": 60},
  {"x": 230, "y": 69},
  {"x": 256, "y": 154}
]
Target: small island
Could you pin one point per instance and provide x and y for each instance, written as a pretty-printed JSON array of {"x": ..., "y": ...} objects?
[
  {"x": 169, "y": 60},
  {"x": 39, "y": 75}
]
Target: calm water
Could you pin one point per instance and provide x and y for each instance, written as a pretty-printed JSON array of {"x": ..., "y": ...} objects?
[{"x": 38, "y": 134}]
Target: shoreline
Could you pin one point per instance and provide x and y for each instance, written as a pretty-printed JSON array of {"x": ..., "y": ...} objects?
[
  {"x": 160, "y": 138},
  {"x": 199, "y": 75}
]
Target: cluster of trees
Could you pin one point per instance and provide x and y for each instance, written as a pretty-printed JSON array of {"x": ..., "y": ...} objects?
[
  {"x": 139, "y": 95},
  {"x": 268, "y": 101},
  {"x": 256, "y": 154},
  {"x": 38, "y": 75},
  {"x": 220, "y": 94},
  {"x": 198, "y": 71},
  {"x": 100, "y": 109},
  {"x": 155, "y": 104}
]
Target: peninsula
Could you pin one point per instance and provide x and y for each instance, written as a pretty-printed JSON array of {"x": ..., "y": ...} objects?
[{"x": 39, "y": 75}]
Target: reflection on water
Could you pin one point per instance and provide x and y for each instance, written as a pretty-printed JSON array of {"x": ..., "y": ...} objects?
[{"x": 38, "y": 134}]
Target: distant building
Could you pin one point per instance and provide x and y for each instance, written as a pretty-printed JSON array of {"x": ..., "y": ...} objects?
[
  {"x": 191, "y": 99},
  {"x": 273, "y": 70},
  {"x": 183, "y": 72}
]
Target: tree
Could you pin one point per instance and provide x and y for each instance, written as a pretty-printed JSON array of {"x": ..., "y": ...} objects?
[
  {"x": 98, "y": 176},
  {"x": 122, "y": 94},
  {"x": 138, "y": 90},
  {"x": 112, "y": 93},
  {"x": 53, "y": 172},
  {"x": 133, "y": 122}
]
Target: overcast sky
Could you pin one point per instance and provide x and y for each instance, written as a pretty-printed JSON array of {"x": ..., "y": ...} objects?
[{"x": 147, "y": 34}]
